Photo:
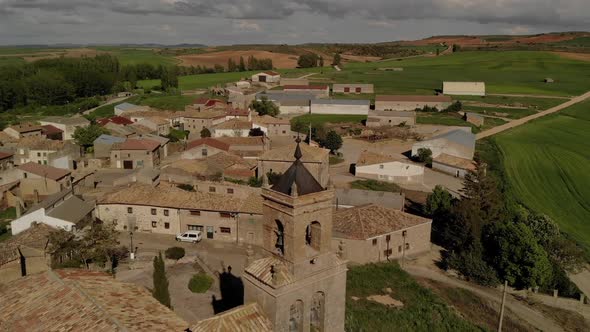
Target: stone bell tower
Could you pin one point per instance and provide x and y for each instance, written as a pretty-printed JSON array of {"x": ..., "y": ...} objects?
[{"x": 301, "y": 285}]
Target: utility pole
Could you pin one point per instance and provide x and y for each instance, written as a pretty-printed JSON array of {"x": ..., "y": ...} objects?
[
  {"x": 502, "y": 307},
  {"x": 404, "y": 233},
  {"x": 309, "y": 142}
]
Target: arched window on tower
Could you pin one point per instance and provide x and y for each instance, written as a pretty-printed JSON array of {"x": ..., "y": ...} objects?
[
  {"x": 316, "y": 314},
  {"x": 313, "y": 234},
  {"x": 279, "y": 238},
  {"x": 296, "y": 317}
]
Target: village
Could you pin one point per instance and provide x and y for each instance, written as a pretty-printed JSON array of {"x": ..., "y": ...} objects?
[{"x": 272, "y": 213}]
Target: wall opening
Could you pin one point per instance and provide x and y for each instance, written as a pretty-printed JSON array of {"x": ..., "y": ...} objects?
[{"x": 313, "y": 234}]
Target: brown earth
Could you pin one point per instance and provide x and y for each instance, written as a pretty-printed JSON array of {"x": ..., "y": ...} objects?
[
  {"x": 574, "y": 56},
  {"x": 541, "y": 39},
  {"x": 279, "y": 60},
  {"x": 459, "y": 40},
  {"x": 68, "y": 53}
]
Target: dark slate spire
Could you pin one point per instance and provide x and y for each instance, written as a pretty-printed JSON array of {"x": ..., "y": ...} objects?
[
  {"x": 297, "y": 178},
  {"x": 298, "y": 153}
]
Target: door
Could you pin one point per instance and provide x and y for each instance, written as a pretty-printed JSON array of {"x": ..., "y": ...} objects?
[
  {"x": 128, "y": 164},
  {"x": 262, "y": 78},
  {"x": 209, "y": 232}
]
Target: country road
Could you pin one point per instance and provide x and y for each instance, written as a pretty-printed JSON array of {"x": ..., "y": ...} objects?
[
  {"x": 110, "y": 102},
  {"x": 524, "y": 120}
]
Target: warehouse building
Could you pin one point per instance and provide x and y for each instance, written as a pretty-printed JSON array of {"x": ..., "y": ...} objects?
[
  {"x": 353, "y": 88},
  {"x": 464, "y": 88},
  {"x": 340, "y": 106}
]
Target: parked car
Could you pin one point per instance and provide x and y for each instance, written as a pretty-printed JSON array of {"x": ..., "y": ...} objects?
[{"x": 189, "y": 236}]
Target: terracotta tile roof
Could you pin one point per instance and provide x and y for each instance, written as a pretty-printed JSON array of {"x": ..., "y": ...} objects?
[
  {"x": 203, "y": 114},
  {"x": 40, "y": 143},
  {"x": 250, "y": 141},
  {"x": 200, "y": 101},
  {"x": 213, "y": 102},
  {"x": 261, "y": 269},
  {"x": 5, "y": 138},
  {"x": 365, "y": 222},
  {"x": 136, "y": 144},
  {"x": 246, "y": 318},
  {"x": 208, "y": 141},
  {"x": 49, "y": 130},
  {"x": 285, "y": 153},
  {"x": 229, "y": 164},
  {"x": 271, "y": 73},
  {"x": 34, "y": 237},
  {"x": 82, "y": 300},
  {"x": 453, "y": 161},
  {"x": 70, "y": 120},
  {"x": 305, "y": 87},
  {"x": 237, "y": 112},
  {"x": 4, "y": 155},
  {"x": 413, "y": 98},
  {"x": 234, "y": 124},
  {"x": 120, "y": 120},
  {"x": 173, "y": 197},
  {"x": 49, "y": 172},
  {"x": 158, "y": 120},
  {"x": 267, "y": 119},
  {"x": 372, "y": 158},
  {"x": 25, "y": 127}
]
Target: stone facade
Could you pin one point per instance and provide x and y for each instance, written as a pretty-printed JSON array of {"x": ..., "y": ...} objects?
[
  {"x": 390, "y": 118},
  {"x": 132, "y": 159}
]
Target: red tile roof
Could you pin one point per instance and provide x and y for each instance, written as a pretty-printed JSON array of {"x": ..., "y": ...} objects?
[
  {"x": 212, "y": 102},
  {"x": 50, "y": 130},
  {"x": 4, "y": 155},
  {"x": 305, "y": 87},
  {"x": 120, "y": 120},
  {"x": 237, "y": 112},
  {"x": 199, "y": 101},
  {"x": 44, "y": 170},
  {"x": 271, "y": 73},
  {"x": 137, "y": 144},
  {"x": 208, "y": 141}
]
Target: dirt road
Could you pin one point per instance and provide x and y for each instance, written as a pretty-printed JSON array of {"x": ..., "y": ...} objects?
[
  {"x": 524, "y": 120},
  {"x": 110, "y": 102}
]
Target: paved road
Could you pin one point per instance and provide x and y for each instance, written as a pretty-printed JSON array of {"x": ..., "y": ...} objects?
[{"x": 524, "y": 120}]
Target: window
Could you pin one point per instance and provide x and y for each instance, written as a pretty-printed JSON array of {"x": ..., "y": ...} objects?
[
  {"x": 407, "y": 246},
  {"x": 45, "y": 162},
  {"x": 387, "y": 252},
  {"x": 38, "y": 161},
  {"x": 195, "y": 213},
  {"x": 115, "y": 156},
  {"x": 38, "y": 154},
  {"x": 167, "y": 225},
  {"x": 357, "y": 90},
  {"x": 204, "y": 152},
  {"x": 284, "y": 131},
  {"x": 230, "y": 190},
  {"x": 166, "y": 213},
  {"x": 387, "y": 238},
  {"x": 128, "y": 155},
  {"x": 225, "y": 214},
  {"x": 374, "y": 242},
  {"x": 389, "y": 121},
  {"x": 225, "y": 230},
  {"x": 347, "y": 89},
  {"x": 44, "y": 154},
  {"x": 195, "y": 227},
  {"x": 380, "y": 166},
  {"x": 211, "y": 189},
  {"x": 154, "y": 224},
  {"x": 154, "y": 212},
  {"x": 25, "y": 175},
  {"x": 399, "y": 249},
  {"x": 129, "y": 210}
]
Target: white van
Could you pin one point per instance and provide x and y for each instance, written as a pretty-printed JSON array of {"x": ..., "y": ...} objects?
[{"x": 189, "y": 236}]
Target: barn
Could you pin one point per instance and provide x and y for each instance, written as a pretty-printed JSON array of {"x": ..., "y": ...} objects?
[
  {"x": 353, "y": 88},
  {"x": 464, "y": 88},
  {"x": 318, "y": 90},
  {"x": 376, "y": 166},
  {"x": 340, "y": 106},
  {"x": 267, "y": 77}
]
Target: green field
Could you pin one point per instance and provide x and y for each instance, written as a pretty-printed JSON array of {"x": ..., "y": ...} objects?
[
  {"x": 321, "y": 119},
  {"x": 529, "y": 102},
  {"x": 163, "y": 102},
  {"x": 514, "y": 72},
  {"x": 511, "y": 113},
  {"x": 547, "y": 162}
]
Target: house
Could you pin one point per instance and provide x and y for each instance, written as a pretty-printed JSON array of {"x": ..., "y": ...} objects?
[
  {"x": 232, "y": 128},
  {"x": 60, "y": 210},
  {"x": 213, "y": 167},
  {"x": 459, "y": 143},
  {"x": 474, "y": 118},
  {"x": 372, "y": 165},
  {"x": 24, "y": 130},
  {"x": 103, "y": 144},
  {"x": 82, "y": 300},
  {"x": 119, "y": 120},
  {"x": 373, "y": 233},
  {"x": 353, "y": 88},
  {"x": 315, "y": 159},
  {"x": 195, "y": 121},
  {"x": 245, "y": 318},
  {"x": 272, "y": 126},
  {"x": 340, "y": 106},
  {"x": 453, "y": 165},
  {"x": 126, "y": 107},
  {"x": 267, "y": 77},
  {"x": 289, "y": 103},
  {"x": 25, "y": 253},
  {"x": 246, "y": 147},
  {"x": 135, "y": 153},
  {"x": 410, "y": 103},
  {"x": 464, "y": 88},
  {"x": 6, "y": 160},
  {"x": 390, "y": 118},
  {"x": 238, "y": 114},
  {"x": 167, "y": 209},
  {"x": 317, "y": 90},
  {"x": 47, "y": 152},
  {"x": 67, "y": 124},
  {"x": 38, "y": 181},
  {"x": 158, "y": 125},
  {"x": 203, "y": 148},
  {"x": 51, "y": 132},
  {"x": 346, "y": 198}
]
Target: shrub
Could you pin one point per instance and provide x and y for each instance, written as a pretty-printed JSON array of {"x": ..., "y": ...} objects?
[
  {"x": 200, "y": 283},
  {"x": 175, "y": 253}
]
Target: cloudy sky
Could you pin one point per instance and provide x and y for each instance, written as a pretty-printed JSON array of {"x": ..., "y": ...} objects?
[{"x": 216, "y": 22}]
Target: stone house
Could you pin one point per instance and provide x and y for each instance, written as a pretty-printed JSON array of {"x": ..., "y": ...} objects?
[
  {"x": 164, "y": 141},
  {"x": 195, "y": 121},
  {"x": 120, "y": 130},
  {"x": 135, "y": 153},
  {"x": 272, "y": 126},
  {"x": 47, "y": 152},
  {"x": 278, "y": 160},
  {"x": 246, "y": 147},
  {"x": 288, "y": 102},
  {"x": 67, "y": 124},
  {"x": 267, "y": 77},
  {"x": 169, "y": 210},
  {"x": 317, "y": 90},
  {"x": 340, "y": 106},
  {"x": 119, "y": 120},
  {"x": 455, "y": 166},
  {"x": 238, "y": 114},
  {"x": 24, "y": 130},
  {"x": 464, "y": 88},
  {"x": 232, "y": 128},
  {"x": 221, "y": 164},
  {"x": 203, "y": 148},
  {"x": 158, "y": 125},
  {"x": 6, "y": 160},
  {"x": 103, "y": 144},
  {"x": 373, "y": 233},
  {"x": 51, "y": 132},
  {"x": 410, "y": 103},
  {"x": 390, "y": 118},
  {"x": 353, "y": 88},
  {"x": 372, "y": 165},
  {"x": 38, "y": 181}
]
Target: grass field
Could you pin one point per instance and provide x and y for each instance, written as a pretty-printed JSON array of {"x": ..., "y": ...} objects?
[
  {"x": 515, "y": 72},
  {"x": 546, "y": 163},
  {"x": 321, "y": 119},
  {"x": 510, "y": 113},
  {"x": 529, "y": 102},
  {"x": 422, "y": 311},
  {"x": 163, "y": 102},
  {"x": 375, "y": 185}
]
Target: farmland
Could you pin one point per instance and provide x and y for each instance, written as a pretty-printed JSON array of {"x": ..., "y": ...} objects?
[
  {"x": 163, "y": 102},
  {"x": 545, "y": 163}
]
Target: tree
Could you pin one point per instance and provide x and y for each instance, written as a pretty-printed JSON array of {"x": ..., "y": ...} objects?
[
  {"x": 438, "y": 202},
  {"x": 86, "y": 136},
  {"x": 231, "y": 65},
  {"x": 454, "y": 107},
  {"x": 273, "y": 177},
  {"x": 256, "y": 132},
  {"x": 265, "y": 107},
  {"x": 299, "y": 126},
  {"x": 424, "y": 156},
  {"x": 308, "y": 60},
  {"x": 566, "y": 253},
  {"x": 511, "y": 248},
  {"x": 321, "y": 61},
  {"x": 205, "y": 132},
  {"x": 242, "y": 66},
  {"x": 456, "y": 48},
  {"x": 544, "y": 228},
  {"x": 337, "y": 59},
  {"x": 333, "y": 141},
  {"x": 160, "y": 291}
]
